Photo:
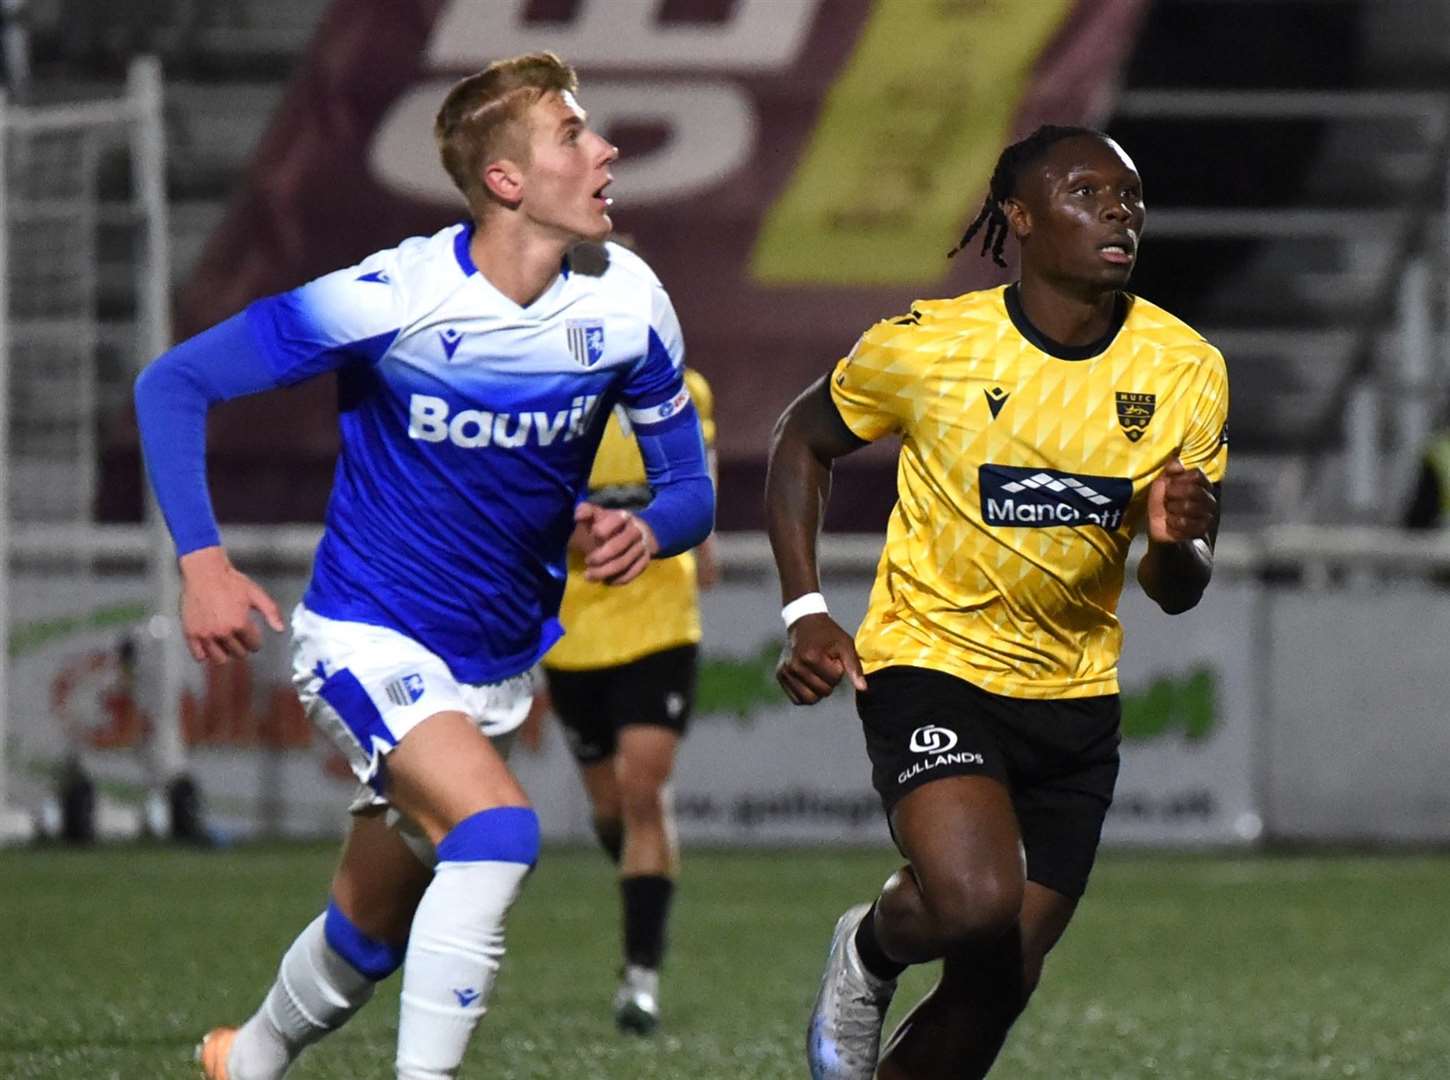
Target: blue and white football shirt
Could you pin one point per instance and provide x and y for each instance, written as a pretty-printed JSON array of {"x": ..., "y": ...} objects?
[{"x": 468, "y": 426}]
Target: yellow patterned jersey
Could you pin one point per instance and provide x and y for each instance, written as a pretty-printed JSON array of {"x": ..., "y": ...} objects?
[
  {"x": 1022, "y": 478},
  {"x": 606, "y": 625}
]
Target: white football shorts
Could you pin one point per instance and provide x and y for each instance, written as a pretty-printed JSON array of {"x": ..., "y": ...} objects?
[{"x": 365, "y": 687}]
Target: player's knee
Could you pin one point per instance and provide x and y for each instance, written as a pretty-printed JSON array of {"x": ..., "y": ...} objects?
[
  {"x": 503, "y": 834},
  {"x": 641, "y": 793},
  {"x": 482, "y": 865},
  {"x": 974, "y": 908},
  {"x": 372, "y": 956},
  {"x": 647, "y": 804}
]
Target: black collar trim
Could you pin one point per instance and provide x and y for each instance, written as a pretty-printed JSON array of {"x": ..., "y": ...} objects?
[{"x": 1024, "y": 326}]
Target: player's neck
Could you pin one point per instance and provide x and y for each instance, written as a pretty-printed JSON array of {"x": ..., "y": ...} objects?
[
  {"x": 1072, "y": 317},
  {"x": 519, "y": 265}
]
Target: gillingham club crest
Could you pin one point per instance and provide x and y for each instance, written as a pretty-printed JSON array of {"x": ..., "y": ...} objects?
[
  {"x": 1135, "y": 411},
  {"x": 586, "y": 340}
]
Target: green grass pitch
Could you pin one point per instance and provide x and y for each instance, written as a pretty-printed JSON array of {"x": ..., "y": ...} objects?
[{"x": 1187, "y": 967}]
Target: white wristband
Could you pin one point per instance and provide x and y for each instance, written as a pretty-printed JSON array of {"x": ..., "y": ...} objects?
[{"x": 812, "y": 603}]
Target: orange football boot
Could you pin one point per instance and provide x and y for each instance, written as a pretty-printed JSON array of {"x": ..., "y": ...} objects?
[{"x": 212, "y": 1053}]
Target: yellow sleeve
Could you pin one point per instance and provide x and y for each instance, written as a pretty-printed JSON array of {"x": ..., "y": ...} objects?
[
  {"x": 872, "y": 383},
  {"x": 704, "y": 399},
  {"x": 1205, "y": 445}
]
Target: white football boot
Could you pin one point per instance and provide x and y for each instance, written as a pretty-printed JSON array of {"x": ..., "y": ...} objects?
[
  {"x": 637, "y": 1001},
  {"x": 843, "y": 1040}
]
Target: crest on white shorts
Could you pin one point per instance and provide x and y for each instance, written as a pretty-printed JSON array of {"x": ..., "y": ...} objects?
[{"x": 406, "y": 690}]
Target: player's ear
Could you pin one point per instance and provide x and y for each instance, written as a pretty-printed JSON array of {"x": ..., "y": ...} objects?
[
  {"x": 1019, "y": 218},
  {"x": 504, "y": 180}
]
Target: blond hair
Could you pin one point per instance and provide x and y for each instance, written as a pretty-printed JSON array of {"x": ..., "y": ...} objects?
[{"x": 479, "y": 120}]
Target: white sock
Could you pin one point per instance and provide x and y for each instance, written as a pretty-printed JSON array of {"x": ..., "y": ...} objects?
[
  {"x": 454, "y": 950},
  {"x": 315, "y": 992}
]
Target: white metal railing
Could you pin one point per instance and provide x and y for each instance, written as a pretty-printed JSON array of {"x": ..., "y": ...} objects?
[
  {"x": 153, "y": 337},
  {"x": 1194, "y": 223},
  {"x": 1430, "y": 109},
  {"x": 1278, "y": 547},
  {"x": 13, "y": 825},
  {"x": 93, "y": 128}
]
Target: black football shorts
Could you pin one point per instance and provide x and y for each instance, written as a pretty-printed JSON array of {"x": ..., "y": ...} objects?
[
  {"x": 1058, "y": 758},
  {"x": 594, "y": 704}
]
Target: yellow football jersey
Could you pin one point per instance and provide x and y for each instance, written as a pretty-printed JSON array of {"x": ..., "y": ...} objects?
[
  {"x": 606, "y": 625},
  {"x": 1023, "y": 476}
]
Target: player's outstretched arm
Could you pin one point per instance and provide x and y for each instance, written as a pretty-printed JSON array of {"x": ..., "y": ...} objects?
[
  {"x": 173, "y": 396},
  {"x": 1183, "y": 518},
  {"x": 808, "y": 437}
]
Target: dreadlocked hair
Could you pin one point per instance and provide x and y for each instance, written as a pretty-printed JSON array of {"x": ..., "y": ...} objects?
[{"x": 1004, "y": 185}]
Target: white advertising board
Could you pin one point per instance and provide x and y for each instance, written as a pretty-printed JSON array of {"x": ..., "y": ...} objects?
[
  {"x": 757, "y": 769},
  {"x": 754, "y": 770}
]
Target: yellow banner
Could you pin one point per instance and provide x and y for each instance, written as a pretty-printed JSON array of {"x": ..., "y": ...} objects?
[{"x": 906, "y": 142}]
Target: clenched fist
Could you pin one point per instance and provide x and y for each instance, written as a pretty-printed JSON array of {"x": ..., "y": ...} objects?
[
  {"x": 616, "y": 544},
  {"x": 1181, "y": 505},
  {"x": 818, "y": 653}
]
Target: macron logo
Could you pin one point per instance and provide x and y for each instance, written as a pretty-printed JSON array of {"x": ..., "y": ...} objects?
[
  {"x": 466, "y": 997},
  {"x": 451, "y": 338},
  {"x": 431, "y": 419}
]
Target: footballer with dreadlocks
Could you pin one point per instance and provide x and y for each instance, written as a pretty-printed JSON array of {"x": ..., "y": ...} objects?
[{"x": 1043, "y": 425}]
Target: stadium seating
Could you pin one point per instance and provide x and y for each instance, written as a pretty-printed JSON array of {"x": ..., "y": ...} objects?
[{"x": 1288, "y": 187}]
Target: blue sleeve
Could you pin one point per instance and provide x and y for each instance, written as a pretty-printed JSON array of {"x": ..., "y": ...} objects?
[
  {"x": 173, "y": 395},
  {"x": 667, "y": 428},
  {"x": 682, "y": 512},
  {"x": 347, "y": 316}
]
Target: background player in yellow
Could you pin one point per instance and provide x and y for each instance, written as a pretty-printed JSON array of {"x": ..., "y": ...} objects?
[
  {"x": 1042, "y": 426},
  {"x": 622, "y": 682}
]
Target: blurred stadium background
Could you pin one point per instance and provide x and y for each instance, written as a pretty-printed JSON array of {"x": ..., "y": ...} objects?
[{"x": 794, "y": 169}]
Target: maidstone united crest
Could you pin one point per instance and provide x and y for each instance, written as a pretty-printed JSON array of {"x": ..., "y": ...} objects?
[{"x": 1134, "y": 413}]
